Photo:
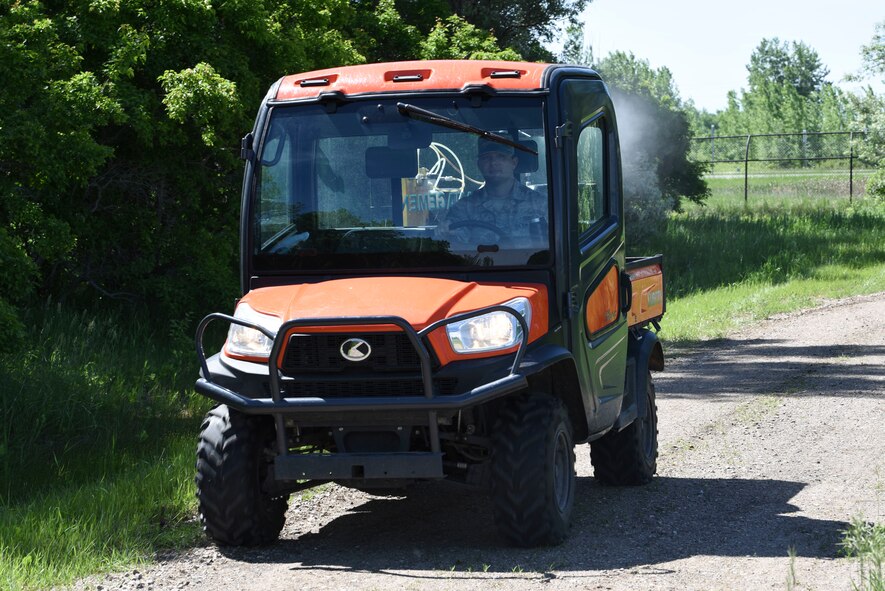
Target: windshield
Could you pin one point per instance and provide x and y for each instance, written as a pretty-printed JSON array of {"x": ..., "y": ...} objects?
[{"x": 372, "y": 185}]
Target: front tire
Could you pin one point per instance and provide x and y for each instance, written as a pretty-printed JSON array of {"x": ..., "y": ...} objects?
[
  {"x": 533, "y": 471},
  {"x": 233, "y": 456},
  {"x": 629, "y": 457}
]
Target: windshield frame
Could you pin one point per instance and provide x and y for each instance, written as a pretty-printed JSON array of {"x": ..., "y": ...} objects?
[{"x": 537, "y": 99}]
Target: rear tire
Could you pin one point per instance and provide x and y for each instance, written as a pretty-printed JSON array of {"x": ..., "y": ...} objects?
[
  {"x": 533, "y": 471},
  {"x": 233, "y": 457},
  {"x": 629, "y": 457}
]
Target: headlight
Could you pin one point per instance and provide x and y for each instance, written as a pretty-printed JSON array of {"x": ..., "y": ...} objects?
[
  {"x": 490, "y": 332},
  {"x": 248, "y": 342}
]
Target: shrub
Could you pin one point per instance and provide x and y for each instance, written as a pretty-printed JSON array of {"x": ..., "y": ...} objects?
[{"x": 645, "y": 206}]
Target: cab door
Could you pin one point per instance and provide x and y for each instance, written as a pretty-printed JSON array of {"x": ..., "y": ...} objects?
[{"x": 596, "y": 254}]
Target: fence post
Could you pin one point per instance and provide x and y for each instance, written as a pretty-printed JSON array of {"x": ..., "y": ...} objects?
[
  {"x": 804, "y": 149},
  {"x": 746, "y": 167},
  {"x": 850, "y": 167},
  {"x": 712, "y": 144}
]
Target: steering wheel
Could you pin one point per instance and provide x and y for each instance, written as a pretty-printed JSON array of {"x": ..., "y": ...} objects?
[{"x": 500, "y": 234}]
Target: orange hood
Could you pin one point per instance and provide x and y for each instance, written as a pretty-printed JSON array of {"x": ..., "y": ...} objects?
[{"x": 420, "y": 301}]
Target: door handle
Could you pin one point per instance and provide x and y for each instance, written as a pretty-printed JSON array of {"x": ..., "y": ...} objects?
[{"x": 626, "y": 292}]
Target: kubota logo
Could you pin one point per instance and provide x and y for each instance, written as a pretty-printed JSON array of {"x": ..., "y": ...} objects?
[{"x": 355, "y": 350}]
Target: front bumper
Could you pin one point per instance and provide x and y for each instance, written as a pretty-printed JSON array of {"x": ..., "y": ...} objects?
[{"x": 358, "y": 466}]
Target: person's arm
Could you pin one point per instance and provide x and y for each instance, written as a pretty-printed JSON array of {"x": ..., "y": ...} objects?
[{"x": 459, "y": 211}]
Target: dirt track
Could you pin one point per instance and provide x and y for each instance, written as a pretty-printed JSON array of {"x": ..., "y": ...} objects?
[{"x": 770, "y": 440}]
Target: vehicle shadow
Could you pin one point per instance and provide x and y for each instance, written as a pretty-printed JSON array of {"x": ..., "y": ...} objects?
[
  {"x": 441, "y": 527},
  {"x": 769, "y": 366}
]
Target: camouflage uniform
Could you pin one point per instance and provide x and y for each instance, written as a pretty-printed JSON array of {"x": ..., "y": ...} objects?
[{"x": 515, "y": 215}]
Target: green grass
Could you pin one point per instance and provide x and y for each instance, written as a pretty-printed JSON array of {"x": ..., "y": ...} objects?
[
  {"x": 775, "y": 187},
  {"x": 97, "y": 439},
  {"x": 866, "y": 542},
  {"x": 727, "y": 265},
  {"x": 113, "y": 522},
  {"x": 98, "y": 420}
]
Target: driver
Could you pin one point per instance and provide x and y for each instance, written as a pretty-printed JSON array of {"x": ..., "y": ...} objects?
[{"x": 502, "y": 202}]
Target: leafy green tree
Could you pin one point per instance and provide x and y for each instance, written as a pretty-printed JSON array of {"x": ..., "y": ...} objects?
[
  {"x": 787, "y": 93},
  {"x": 455, "y": 38},
  {"x": 653, "y": 125},
  {"x": 700, "y": 121},
  {"x": 869, "y": 110},
  {"x": 654, "y": 131},
  {"x": 792, "y": 64},
  {"x": 119, "y": 122},
  {"x": 381, "y": 33},
  {"x": 524, "y": 25},
  {"x": 834, "y": 110},
  {"x": 423, "y": 14},
  {"x": 576, "y": 50},
  {"x": 118, "y": 177}
]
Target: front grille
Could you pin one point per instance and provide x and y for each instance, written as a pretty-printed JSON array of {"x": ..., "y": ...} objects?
[
  {"x": 316, "y": 368},
  {"x": 391, "y": 351},
  {"x": 365, "y": 388}
]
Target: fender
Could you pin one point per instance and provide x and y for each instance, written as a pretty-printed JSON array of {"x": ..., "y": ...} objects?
[
  {"x": 646, "y": 353},
  {"x": 555, "y": 365}
]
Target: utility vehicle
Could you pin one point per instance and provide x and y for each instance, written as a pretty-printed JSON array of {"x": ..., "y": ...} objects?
[{"x": 373, "y": 350}]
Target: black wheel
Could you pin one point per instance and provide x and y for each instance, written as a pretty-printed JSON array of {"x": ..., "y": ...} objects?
[
  {"x": 629, "y": 457},
  {"x": 232, "y": 460},
  {"x": 533, "y": 471}
]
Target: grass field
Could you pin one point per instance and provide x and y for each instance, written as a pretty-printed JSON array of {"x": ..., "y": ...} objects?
[
  {"x": 865, "y": 541},
  {"x": 98, "y": 421},
  {"x": 727, "y": 264},
  {"x": 98, "y": 428},
  {"x": 836, "y": 186}
]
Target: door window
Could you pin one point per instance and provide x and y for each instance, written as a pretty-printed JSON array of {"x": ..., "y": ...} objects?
[{"x": 591, "y": 180}]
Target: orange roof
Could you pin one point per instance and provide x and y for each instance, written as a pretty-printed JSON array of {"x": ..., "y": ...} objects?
[{"x": 412, "y": 76}]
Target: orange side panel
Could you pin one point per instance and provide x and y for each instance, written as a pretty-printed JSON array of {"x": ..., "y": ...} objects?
[
  {"x": 602, "y": 307},
  {"x": 648, "y": 294},
  {"x": 409, "y": 77}
]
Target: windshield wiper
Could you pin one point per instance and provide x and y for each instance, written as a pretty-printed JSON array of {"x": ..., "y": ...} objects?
[{"x": 420, "y": 114}]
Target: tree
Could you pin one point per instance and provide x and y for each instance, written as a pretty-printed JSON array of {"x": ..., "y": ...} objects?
[
  {"x": 380, "y": 33},
  {"x": 700, "y": 121},
  {"x": 524, "y": 25},
  {"x": 782, "y": 63},
  {"x": 653, "y": 125},
  {"x": 869, "y": 111},
  {"x": 787, "y": 93},
  {"x": 654, "y": 132},
  {"x": 455, "y": 38},
  {"x": 118, "y": 176},
  {"x": 576, "y": 50},
  {"x": 119, "y": 123}
]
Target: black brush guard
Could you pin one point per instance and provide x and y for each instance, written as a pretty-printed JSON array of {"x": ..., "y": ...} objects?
[{"x": 360, "y": 466}]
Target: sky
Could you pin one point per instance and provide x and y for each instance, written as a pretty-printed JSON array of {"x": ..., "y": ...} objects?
[{"x": 707, "y": 44}]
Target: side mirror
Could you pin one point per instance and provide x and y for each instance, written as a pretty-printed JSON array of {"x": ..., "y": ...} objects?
[{"x": 246, "y": 150}]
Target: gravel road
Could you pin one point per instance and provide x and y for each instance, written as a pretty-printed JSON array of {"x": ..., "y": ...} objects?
[{"x": 770, "y": 442}]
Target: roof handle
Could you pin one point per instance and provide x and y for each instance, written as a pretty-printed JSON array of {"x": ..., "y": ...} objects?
[
  {"x": 408, "y": 78},
  {"x": 315, "y": 82},
  {"x": 506, "y": 74}
]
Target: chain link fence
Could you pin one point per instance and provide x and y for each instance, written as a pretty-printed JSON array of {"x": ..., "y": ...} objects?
[{"x": 818, "y": 164}]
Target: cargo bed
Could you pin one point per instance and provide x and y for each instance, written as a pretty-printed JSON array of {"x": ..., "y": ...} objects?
[{"x": 647, "y": 289}]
